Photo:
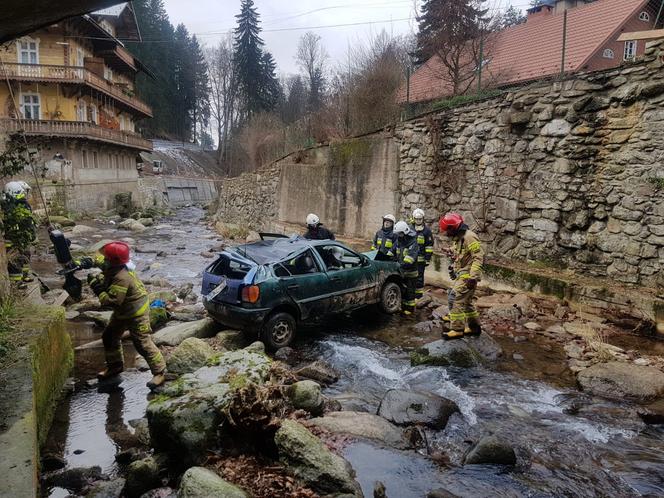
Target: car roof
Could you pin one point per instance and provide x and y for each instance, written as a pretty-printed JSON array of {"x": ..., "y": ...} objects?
[{"x": 275, "y": 250}]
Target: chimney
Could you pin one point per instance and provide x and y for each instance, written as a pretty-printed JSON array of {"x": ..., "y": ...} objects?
[{"x": 543, "y": 10}]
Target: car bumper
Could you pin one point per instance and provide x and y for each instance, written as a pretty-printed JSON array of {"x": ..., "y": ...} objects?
[{"x": 236, "y": 317}]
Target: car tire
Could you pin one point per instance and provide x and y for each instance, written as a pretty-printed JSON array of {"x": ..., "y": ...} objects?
[
  {"x": 390, "y": 298},
  {"x": 279, "y": 331}
]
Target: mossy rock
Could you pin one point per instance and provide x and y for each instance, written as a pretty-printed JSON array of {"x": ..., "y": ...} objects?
[
  {"x": 189, "y": 356},
  {"x": 198, "y": 482}
]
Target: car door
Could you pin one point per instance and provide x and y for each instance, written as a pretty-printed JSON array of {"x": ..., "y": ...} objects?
[
  {"x": 351, "y": 277},
  {"x": 305, "y": 282}
]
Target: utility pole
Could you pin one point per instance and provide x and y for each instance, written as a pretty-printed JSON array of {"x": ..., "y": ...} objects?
[
  {"x": 562, "y": 63},
  {"x": 480, "y": 66}
]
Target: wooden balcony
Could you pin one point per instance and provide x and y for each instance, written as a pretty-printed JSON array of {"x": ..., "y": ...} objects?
[
  {"x": 76, "y": 129},
  {"x": 72, "y": 74}
]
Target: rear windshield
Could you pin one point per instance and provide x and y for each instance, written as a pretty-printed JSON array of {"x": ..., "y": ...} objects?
[
  {"x": 268, "y": 251},
  {"x": 226, "y": 267}
]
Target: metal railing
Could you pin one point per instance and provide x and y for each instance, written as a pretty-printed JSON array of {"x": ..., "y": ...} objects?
[
  {"x": 80, "y": 129},
  {"x": 70, "y": 74}
]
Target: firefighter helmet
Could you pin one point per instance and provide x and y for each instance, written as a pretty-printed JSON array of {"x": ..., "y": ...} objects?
[
  {"x": 418, "y": 214},
  {"x": 313, "y": 220},
  {"x": 401, "y": 228},
  {"x": 451, "y": 222},
  {"x": 390, "y": 217},
  {"x": 17, "y": 190},
  {"x": 116, "y": 253}
]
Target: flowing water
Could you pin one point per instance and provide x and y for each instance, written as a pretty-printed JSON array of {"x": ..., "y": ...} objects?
[{"x": 567, "y": 443}]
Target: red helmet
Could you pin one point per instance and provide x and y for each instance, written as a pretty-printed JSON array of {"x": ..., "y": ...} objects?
[
  {"x": 116, "y": 253},
  {"x": 450, "y": 222}
]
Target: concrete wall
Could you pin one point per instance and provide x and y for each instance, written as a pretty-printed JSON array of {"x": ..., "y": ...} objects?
[{"x": 350, "y": 185}]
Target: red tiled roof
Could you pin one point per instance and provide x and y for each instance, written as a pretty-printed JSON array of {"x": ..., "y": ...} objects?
[{"x": 533, "y": 49}]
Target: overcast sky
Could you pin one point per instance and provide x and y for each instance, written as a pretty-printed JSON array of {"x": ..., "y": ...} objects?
[{"x": 210, "y": 19}]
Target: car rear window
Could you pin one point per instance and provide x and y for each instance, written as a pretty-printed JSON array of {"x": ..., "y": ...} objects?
[{"x": 229, "y": 268}]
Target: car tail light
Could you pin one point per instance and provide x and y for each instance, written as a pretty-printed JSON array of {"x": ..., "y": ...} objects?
[{"x": 251, "y": 293}]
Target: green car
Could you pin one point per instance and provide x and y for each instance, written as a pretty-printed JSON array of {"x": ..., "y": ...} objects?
[{"x": 273, "y": 285}]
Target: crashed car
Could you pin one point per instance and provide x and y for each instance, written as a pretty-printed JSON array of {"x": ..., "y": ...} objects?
[{"x": 274, "y": 285}]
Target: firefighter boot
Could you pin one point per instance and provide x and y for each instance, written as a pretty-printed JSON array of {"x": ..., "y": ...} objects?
[
  {"x": 111, "y": 371},
  {"x": 157, "y": 380},
  {"x": 473, "y": 328},
  {"x": 452, "y": 334}
]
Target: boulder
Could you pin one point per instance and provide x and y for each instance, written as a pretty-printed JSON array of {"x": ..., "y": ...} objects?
[
  {"x": 73, "y": 479},
  {"x": 491, "y": 450},
  {"x": 100, "y": 318},
  {"x": 79, "y": 230},
  {"x": 189, "y": 356},
  {"x": 507, "y": 312},
  {"x": 256, "y": 347},
  {"x": 133, "y": 225},
  {"x": 106, "y": 489},
  {"x": 486, "y": 346},
  {"x": 142, "y": 475},
  {"x": 319, "y": 371},
  {"x": 307, "y": 458},
  {"x": 617, "y": 380},
  {"x": 403, "y": 407},
  {"x": 364, "y": 425},
  {"x": 230, "y": 339},
  {"x": 164, "y": 492},
  {"x": 168, "y": 296},
  {"x": 445, "y": 353},
  {"x": 306, "y": 395},
  {"x": 173, "y": 335},
  {"x": 652, "y": 414},
  {"x": 251, "y": 365},
  {"x": 146, "y": 222},
  {"x": 141, "y": 430},
  {"x": 287, "y": 355},
  {"x": 199, "y": 482},
  {"x": 63, "y": 221}
]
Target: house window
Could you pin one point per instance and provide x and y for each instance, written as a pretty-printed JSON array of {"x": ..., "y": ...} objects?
[
  {"x": 95, "y": 159},
  {"x": 608, "y": 53},
  {"x": 80, "y": 57},
  {"x": 108, "y": 73},
  {"x": 630, "y": 50},
  {"x": 81, "y": 111},
  {"x": 644, "y": 16},
  {"x": 85, "y": 159},
  {"x": 31, "y": 106},
  {"x": 94, "y": 114},
  {"x": 28, "y": 51}
]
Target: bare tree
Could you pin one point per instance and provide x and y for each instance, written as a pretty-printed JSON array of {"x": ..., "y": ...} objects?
[
  {"x": 223, "y": 94},
  {"x": 311, "y": 57}
]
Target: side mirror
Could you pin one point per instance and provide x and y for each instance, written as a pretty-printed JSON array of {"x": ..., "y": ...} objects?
[{"x": 365, "y": 260}]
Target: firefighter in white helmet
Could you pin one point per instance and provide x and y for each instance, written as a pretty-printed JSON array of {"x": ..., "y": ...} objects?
[
  {"x": 406, "y": 253},
  {"x": 316, "y": 230},
  {"x": 425, "y": 242},
  {"x": 385, "y": 240}
]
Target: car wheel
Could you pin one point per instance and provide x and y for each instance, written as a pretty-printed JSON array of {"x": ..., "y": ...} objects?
[
  {"x": 279, "y": 331},
  {"x": 390, "y": 298}
]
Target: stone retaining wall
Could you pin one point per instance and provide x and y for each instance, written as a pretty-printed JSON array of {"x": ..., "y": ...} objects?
[{"x": 568, "y": 174}]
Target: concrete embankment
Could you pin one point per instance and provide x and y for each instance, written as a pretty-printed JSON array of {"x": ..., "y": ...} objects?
[{"x": 32, "y": 380}]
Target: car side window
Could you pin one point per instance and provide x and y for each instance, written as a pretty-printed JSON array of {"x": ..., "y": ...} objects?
[
  {"x": 302, "y": 264},
  {"x": 338, "y": 258}
]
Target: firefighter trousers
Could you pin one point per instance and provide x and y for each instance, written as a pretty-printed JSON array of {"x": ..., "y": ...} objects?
[
  {"x": 409, "y": 298},
  {"x": 419, "y": 289},
  {"x": 141, "y": 336},
  {"x": 463, "y": 310}
]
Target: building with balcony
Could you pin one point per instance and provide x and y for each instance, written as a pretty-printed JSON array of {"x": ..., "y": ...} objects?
[{"x": 69, "y": 89}]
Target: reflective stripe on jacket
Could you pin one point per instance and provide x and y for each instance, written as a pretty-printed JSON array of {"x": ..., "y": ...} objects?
[
  {"x": 425, "y": 243},
  {"x": 126, "y": 294},
  {"x": 469, "y": 255},
  {"x": 384, "y": 242}
]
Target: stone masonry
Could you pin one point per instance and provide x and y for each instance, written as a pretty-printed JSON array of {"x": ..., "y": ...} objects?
[{"x": 566, "y": 173}]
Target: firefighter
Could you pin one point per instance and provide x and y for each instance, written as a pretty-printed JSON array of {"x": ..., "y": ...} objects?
[
  {"x": 468, "y": 260},
  {"x": 120, "y": 289},
  {"x": 385, "y": 239},
  {"x": 316, "y": 230},
  {"x": 406, "y": 254},
  {"x": 20, "y": 231},
  {"x": 425, "y": 243}
]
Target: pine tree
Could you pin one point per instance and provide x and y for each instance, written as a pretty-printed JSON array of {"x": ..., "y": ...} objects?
[
  {"x": 271, "y": 91},
  {"x": 511, "y": 17},
  {"x": 184, "y": 80},
  {"x": 249, "y": 58},
  {"x": 201, "y": 89}
]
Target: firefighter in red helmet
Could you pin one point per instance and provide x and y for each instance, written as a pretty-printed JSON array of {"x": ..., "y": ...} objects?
[
  {"x": 468, "y": 257},
  {"x": 121, "y": 290}
]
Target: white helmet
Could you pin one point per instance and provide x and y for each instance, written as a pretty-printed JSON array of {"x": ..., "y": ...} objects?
[
  {"x": 390, "y": 217},
  {"x": 312, "y": 219},
  {"x": 338, "y": 252},
  {"x": 418, "y": 214},
  {"x": 17, "y": 190},
  {"x": 401, "y": 228}
]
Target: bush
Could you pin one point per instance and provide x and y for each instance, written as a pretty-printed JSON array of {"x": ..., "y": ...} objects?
[{"x": 7, "y": 316}]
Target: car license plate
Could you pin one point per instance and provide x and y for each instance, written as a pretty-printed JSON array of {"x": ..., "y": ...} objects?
[{"x": 217, "y": 290}]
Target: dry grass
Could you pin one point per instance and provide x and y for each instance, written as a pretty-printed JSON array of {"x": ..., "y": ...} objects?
[{"x": 596, "y": 341}]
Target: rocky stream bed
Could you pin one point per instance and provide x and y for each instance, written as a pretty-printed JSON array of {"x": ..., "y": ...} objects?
[{"x": 361, "y": 405}]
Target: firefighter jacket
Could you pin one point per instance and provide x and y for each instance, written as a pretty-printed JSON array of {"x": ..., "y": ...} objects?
[
  {"x": 384, "y": 242},
  {"x": 407, "y": 253},
  {"x": 125, "y": 294},
  {"x": 468, "y": 254},
  {"x": 319, "y": 233},
  {"x": 425, "y": 243}
]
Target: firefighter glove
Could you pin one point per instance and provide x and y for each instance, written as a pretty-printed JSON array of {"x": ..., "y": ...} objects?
[
  {"x": 452, "y": 273},
  {"x": 471, "y": 283},
  {"x": 86, "y": 263}
]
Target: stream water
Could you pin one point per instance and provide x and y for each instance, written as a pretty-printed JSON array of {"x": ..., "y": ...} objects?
[{"x": 567, "y": 443}]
